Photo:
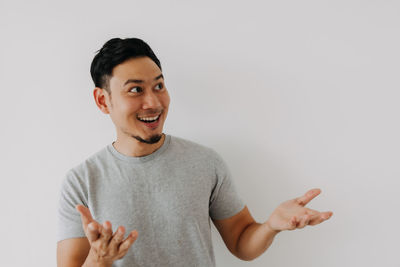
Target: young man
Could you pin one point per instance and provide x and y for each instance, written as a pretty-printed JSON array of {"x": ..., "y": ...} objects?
[{"x": 161, "y": 189}]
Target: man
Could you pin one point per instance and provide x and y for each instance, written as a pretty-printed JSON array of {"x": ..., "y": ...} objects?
[{"x": 162, "y": 189}]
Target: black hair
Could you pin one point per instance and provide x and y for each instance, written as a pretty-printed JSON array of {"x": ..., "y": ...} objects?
[{"x": 114, "y": 52}]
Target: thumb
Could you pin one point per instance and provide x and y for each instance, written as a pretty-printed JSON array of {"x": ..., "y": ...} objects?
[{"x": 303, "y": 200}]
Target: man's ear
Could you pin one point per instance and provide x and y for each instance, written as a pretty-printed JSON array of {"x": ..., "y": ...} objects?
[{"x": 102, "y": 99}]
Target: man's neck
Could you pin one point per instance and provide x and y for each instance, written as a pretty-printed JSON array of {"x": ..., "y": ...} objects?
[{"x": 134, "y": 148}]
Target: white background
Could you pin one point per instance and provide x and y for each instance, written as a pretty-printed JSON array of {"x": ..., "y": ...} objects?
[{"x": 293, "y": 94}]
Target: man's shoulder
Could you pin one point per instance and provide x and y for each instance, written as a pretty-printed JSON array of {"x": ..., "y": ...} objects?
[
  {"x": 186, "y": 144},
  {"x": 88, "y": 165},
  {"x": 188, "y": 147}
]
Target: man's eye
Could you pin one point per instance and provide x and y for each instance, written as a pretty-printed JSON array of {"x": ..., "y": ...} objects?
[
  {"x": 160, "y": 85},
  {"x": 138, "y": 89}
]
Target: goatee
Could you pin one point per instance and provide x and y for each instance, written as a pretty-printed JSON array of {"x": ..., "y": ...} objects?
[{"x": 152, "y": 140}]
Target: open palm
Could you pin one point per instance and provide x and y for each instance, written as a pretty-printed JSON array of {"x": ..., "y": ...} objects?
[{"x": 293, "y": 214}]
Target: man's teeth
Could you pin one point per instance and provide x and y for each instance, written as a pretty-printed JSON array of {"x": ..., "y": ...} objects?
[{"x": 149, "y": 118}]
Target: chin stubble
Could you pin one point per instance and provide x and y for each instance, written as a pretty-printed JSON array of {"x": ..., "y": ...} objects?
[{"x": 152, "y": 140}]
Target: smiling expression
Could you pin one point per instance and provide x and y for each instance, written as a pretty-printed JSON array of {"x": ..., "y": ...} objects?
[{"x": 138, "y": 95}]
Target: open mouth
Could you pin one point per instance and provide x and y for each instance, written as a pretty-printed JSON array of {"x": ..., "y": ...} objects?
[{"x": 150, "y": 120}]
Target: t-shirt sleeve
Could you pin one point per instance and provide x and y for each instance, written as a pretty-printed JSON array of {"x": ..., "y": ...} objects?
[
  {"x": 72, "y": 193},
  {"x": 225, "y": 202}
]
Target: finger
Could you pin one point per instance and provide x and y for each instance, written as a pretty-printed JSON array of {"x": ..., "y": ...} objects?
[
  {"x": 312, "y": 212},
  {"x": 322, "y": 216},
  {"x": 292, "y": 223},
  {"x": 126, "y": 244},
  {"x": 327, "y": 215},
  {"x": 93, "y": 231},
  {"x": 106, "y": 234},
  {"x": 303, "y": 221},
  {"x": 116, "y": 239},
  {"x": 307, "y": 197},
  {"x": 86, "y": 216},
  {"x": 314, "y": 215}
]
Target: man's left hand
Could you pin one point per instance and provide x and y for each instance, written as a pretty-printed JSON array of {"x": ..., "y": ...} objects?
[{"x": 293, "y": 214}]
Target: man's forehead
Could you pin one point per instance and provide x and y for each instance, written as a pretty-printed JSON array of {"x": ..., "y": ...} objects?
[
  {"x": 142, "y": 68},
  {"x": 138, "y": 80}
]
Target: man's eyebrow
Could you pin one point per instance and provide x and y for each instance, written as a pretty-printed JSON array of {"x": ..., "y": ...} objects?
[{"x": 141, "y": 81}]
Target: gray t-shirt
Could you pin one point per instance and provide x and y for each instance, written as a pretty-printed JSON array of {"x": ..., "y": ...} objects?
[{"x": 167, "y": 196}]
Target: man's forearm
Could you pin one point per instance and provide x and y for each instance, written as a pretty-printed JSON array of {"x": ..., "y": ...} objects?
[{"x": 254, "y": 240}]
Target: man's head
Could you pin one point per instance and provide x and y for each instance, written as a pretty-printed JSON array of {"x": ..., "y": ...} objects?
[
  {"x": 130, "y": 87},
  {"x": 114, "y": 52}
]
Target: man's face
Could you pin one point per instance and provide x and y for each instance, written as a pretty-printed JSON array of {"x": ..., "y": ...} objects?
[{"x": 138, "y": 93}]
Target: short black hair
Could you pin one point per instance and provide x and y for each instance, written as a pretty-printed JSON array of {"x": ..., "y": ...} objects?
[{"x": 114, "y": 52}]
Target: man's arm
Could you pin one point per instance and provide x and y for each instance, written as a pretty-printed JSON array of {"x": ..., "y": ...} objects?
[
  {"x": 247, "y": 239},
  {"x": 76, "y": 252},
  {"x": 72, "y": 252},
  {"x": 244, "y": 238},
  {"x": 231, "y": 228}
]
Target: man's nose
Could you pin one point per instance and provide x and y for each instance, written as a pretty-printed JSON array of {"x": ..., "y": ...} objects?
[{"x": 151, "y": 101}]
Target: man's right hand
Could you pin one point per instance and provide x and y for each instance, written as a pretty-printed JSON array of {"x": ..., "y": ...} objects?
[{"x": 105, "y": 247}]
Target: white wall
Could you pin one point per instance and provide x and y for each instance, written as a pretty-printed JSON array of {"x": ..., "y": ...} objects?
[{"x": 293, "y": 94}]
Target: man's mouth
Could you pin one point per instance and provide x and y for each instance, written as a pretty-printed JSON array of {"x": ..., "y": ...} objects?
[
  {"x": 149, "y": 119},
  {"x": 151, "y": 122}
]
